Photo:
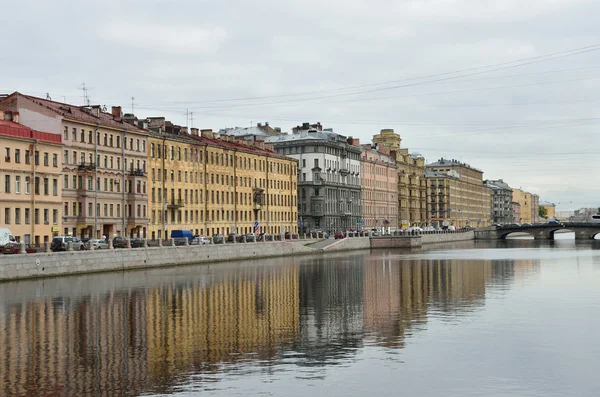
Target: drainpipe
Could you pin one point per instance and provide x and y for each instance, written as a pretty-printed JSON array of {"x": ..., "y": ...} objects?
[
  {"x": 94, "y": 182},
  {"x": 124, "y": 182},
  {"x": 33, "y": 173},
  {"x": 163, "y": 193}
]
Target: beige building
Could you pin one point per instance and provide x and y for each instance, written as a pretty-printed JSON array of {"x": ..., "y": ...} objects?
[
  {"x": 379, "y": 179},
  {"x": 412, "y": 192},
  {"x": 529, "y": 203},
  {"x": 457, "y": 195},
  {"x": 104, "y": 165},
  {"x": 550, "y": 210},
  {"x": 217, "y": 186},
  {"x": 30, "y": 190}
]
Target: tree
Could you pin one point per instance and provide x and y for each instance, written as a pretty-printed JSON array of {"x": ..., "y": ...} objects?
[{"x": 542, "y": 211}]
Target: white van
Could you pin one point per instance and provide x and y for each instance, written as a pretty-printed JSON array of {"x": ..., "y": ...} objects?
[
  {"x": 595, "y": 219},
  {"x": 5, "y": 236}
]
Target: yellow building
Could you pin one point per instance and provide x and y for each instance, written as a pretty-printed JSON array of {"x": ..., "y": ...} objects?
[
  {"x": 412, "y": 192},
  {"x": 217, "y": 186},
  {"x": 103, "y": 165},
  {"x": 457, "y": 195},
  {"x": 526, "y": 201},
  {"x": 30, "y": 171},
  {"x": 550, "y": 210}
]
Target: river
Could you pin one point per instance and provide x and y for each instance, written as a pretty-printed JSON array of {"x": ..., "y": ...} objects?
[{"x": 506, "y": 318}]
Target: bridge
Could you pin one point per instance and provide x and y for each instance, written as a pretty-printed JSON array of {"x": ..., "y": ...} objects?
[{"x": 583, "y": 231}]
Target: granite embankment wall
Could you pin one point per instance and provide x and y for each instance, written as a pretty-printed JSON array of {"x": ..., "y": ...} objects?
[{"x": 14, "y": 267}]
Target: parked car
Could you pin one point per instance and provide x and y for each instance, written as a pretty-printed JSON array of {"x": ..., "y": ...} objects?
[
  {"x": 14, "y": 248},
  {"x": 233, "y": 238},
  {"x": 554, "y": 222},
  {"x": 451, "y": 228},
  {"x": 415, "y": 229},
  {"x": 96, "y": 244},
  {"x": 137, "y": 242},
  {"x": 263, "y": 237},
  {"x": 120, "y": 242},
  {"x": 59, "y": 243},
  {"x": 250, "y": 237},
  {"x": 287, "y": 235},
  {"x": 339, "y": 235},
  {"x": 218, "y": 239},
  {"x": 200, "y": 240}
]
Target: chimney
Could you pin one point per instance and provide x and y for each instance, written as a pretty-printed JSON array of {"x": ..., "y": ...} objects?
[
  {"x": 96, "y": 110},
  {"x": 259, "y": 144},
  {"x": 183, "y": 131},
  {"x": 270, "y": 146},
  {"x": 278, "y": 130},
  {"x": 194, "y": 131},
  {"x": 207, "y": 133},
  {"x": 15, "y": 117},
  {"x": 117, "y": 112}
]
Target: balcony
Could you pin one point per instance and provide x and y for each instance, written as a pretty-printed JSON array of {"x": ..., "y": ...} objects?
[
  {"x": 137, "y": 172},
  {"x": 344, "y": 171},
  {"x": 176, "y": 204},
  {"x": 86, "y": 166}
]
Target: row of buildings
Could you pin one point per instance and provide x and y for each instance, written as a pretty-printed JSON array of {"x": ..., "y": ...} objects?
[{"x": 90, "y": 172}]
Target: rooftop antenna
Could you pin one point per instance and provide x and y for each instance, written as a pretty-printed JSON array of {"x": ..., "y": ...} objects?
[
  {"x": 132, "y": 107},
  {"x": 192, "y": 119},
  {"x": 86, "y": 98}
]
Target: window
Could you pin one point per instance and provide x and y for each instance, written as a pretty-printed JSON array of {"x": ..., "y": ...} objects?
[
  {"x": 66, "y": 134},
  {"x": 36, "y": 216},
  {"x": 17, "y": 216},
  {"x": 82, "y": 136},
  {"x": 7, "y": 154},
  {"x": 55, "y": 187},
  {"x": 37, "y": 185},
  {"x": 7, "y": 183},
  {"x": 55, "y": 217},
  {"x": 17, "y": 184},
  {"x": 46, "y": 216},
  {"x": 7, "y": 216},
  {"x": 118, "y": 141},
  {"x": 36, "y": 157},
  {"x": 144, "y": 146},
  {"x": 105, "y": 139},
  {"x": 110, "y": 140},
  {"x": 27, "y": 184},
  {"x": 74, "y": 134},
  {"x": 46, "y": 159},
  {"x": 152, "y": 150},
  {"x": 17, "y": 155},
  {"x": 27, "y": 216},
  {"x": 90, "y": 135},
  {"x": 137, "y": 145},
  {"x": 27, "y": 157}
]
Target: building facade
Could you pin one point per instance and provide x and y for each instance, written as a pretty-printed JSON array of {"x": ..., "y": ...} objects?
[
  {"x": 529, "y": 203},
  {"x": 412, "y": 191},
  {"x": 104, "y": 167},
  {"x": 218, "y": 186},
  {"x": 502, "y": 209},
  {"x": 457, "y": 195},
  {"x": 516, "y": 207},
  {"x": 379, "y": 178},
  {"x": 30, "y": 172},
  {"x": 329, "y": 177},
  {"x": 550, "y": 210}
]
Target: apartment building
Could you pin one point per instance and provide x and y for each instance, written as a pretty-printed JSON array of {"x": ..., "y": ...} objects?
[
  {"x": 214, "y": 185},
  {"x": 457, "y": 195},
  {"x": 379, "y": 183},
  {"x": 103, "y": 165},
  {"x": 502, "y": 208},
  {"x": 412, "y": 192},
  {"x": 329, "y": 180},
  {"x": 529, "y": 204},
  {"x": 30, "y": 181}
]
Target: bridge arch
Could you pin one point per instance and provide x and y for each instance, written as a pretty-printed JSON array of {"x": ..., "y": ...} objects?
[
  {"x": 551, "y": 232},
  {"x": 504, "y": 235}
]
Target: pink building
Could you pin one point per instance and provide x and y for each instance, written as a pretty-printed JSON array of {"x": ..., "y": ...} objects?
[
  {"x": 379, "y": 183},
  {"x": 516, "y": 207}
]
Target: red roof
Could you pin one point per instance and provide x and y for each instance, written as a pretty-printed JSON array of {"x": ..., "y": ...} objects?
[
  {"x": 238, "y": 146},
  {"x": 8, "y": 128},
  {"x": 78, "y": 113}
]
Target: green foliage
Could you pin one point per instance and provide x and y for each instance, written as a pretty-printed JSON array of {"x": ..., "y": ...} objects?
[{"x": 542, "y": 211}]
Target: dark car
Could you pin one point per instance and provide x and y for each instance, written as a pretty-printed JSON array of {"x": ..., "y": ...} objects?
[
  {"x": 15, "y": 248},
  {"x": 250, "y": 237},
  {"x": 554, "y": 222},
  {"x": 233, "y": 238},
  {"x": 339, "y": 235},
  {"x": 137, "y": 242},
  {"x": 263, "y": 237},
  {"x": 119, "y": 242},
  {"x": 287, "y": 235},
  {"x": 218, "y": 239}
]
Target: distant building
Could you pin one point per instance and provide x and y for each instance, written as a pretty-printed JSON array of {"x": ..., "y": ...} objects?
[
  {"x": 502, "y": 208},
  {"x": 550, "y": 210},
  {"x": 379, "y": 178},
  {"x": 565, "y": 216},
  {"x": 412, "y": 192},
  {"x": 457, "y": 195},
  {"x": 584, "y": 214},
  {"x": 529, "y": 203},
  {"x": 31, "y": 192},
  {"x": 329, "y": 176},
  {"x": 516, "y": 207}
]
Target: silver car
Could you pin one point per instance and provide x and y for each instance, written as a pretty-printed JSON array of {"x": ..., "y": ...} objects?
[
  {"x": 96, "y": 244},
  {"x": 200, "y": 240}
]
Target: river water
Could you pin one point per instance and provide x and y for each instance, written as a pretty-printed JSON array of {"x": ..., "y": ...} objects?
[{"x": 512, "y": 318}]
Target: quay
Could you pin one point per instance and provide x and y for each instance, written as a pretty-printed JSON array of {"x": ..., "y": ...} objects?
[{"x": 51, "y": 264}]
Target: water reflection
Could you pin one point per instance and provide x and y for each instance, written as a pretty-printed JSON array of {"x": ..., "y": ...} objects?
[{"x": 156, "y": 331}]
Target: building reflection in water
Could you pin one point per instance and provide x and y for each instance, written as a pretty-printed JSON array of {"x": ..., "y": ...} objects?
[{"x": 154, "y": 330}]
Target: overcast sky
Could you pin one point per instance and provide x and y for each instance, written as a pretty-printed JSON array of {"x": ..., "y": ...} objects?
[{"x": 466, "y": 79}]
